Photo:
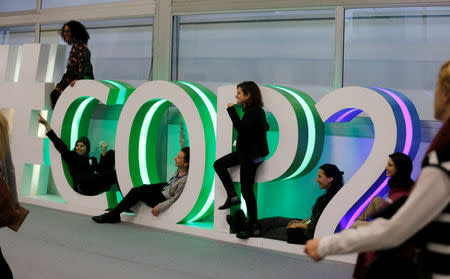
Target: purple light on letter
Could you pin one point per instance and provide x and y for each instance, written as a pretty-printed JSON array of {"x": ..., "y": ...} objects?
[
  {"x": 408, "y": 121},
  {"x": 406, "y": 149},
  {"x": 366, "y": 202},
  {"x": 345, "y": 115}
]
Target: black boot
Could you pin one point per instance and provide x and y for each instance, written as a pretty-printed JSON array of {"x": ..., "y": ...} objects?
[
  {"x": 229, "y": 202},
  {"x": 252, "y": 230},
  {"x": 237, "y": 222},
  {"x": 107, "y": 218}
]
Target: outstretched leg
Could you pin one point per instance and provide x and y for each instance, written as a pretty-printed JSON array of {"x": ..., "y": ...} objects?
[{"x": 150, "y": 194}]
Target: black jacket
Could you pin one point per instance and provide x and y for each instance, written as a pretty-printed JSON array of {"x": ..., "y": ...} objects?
[
  {"x": 81, "y": 167},
  {"x": 252, "y": 130}
]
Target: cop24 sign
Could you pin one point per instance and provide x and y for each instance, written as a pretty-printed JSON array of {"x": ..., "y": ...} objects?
[{"x": 301, "y": 136}]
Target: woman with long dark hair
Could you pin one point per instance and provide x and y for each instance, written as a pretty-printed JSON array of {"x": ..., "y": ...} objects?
[
  {"x": 8, "y": 174},
  {"x": 329, "y": 178},
  {"x": 79, "y": 65},
  {"x": 426, "y": 210},
  {"x": 398, "y": 168},
  {"x": 251, "y": 149},
  {"x": 89, "y": 177},
  {"x": 400, "y": 261}
]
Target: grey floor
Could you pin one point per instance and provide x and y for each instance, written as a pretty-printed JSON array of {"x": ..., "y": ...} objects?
[{"x": 54, "y": 244}]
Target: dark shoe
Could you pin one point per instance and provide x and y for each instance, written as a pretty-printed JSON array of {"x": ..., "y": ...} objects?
[
  {"x": 237, "y": 222},
  {"x": 234, "y": 200},
  {"x": 107, "y": 218},
  {"x": 252, "y": 231}
]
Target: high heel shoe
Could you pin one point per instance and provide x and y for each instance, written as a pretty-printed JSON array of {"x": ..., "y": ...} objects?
[{"x": 229, "y": 202}]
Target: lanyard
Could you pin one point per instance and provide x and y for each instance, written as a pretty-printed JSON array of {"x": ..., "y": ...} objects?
[{"x": 173, "y": 179}]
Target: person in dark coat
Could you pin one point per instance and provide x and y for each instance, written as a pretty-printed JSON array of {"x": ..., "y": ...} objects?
[
  {"x": 89, "y": 177},
  {"x": 251, "y": 149}
]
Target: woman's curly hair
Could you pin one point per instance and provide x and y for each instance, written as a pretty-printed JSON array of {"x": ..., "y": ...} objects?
[{"x": 77, "y": 31}]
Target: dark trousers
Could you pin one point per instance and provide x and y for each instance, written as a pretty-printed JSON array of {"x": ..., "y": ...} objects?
[
  {"x": 150, "y": 194},
  {"x": 100, "y": 182},
  {"x": 274, "y": 227},
  {"x": 54, "y": 96},
  {"x": 5, "y": 271},
  {"x": 248, "y": 172}
]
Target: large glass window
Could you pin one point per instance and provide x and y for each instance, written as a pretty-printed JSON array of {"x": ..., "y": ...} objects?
[
  {"x": 17, "y": 5},
  {"x": 397, "y": 48},
  {"x": 17, "y": 35},
  {"x": 289, "y": 48},
  {"x": 120, "y": 49},
  {"x": 58, "y": 3}
]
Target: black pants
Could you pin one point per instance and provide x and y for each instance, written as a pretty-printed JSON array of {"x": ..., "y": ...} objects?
[
  {"x": 248, "y": 172},
  {"x": 276, "y": 228},
  {"x": 150, "y": 194},
  {"x": 5, "y": 271},
  {"x": 100, "y": 182},
  {"x": 54, "y": 96}
]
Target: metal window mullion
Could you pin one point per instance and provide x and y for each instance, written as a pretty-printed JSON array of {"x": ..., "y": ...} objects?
[
  {"x": 175, "y": 47},
  {"x": 37, "y": 26},
  {"x": 339, "y": 47},
  {"x": 162, "y": 40}
]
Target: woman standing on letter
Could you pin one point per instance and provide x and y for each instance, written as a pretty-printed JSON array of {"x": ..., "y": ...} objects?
[{"x": 251, "y": 149}]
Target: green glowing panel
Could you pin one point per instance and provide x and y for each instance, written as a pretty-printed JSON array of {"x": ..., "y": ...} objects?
[
  {"x": 310, "y": 129},
  {"x": 119, "y": 91},
  {"x": 77, "y": 119},
  {"x": 76, "y": 124},
  {"x": 206, "y": 103},
  {"x": 142, "y": 147}
]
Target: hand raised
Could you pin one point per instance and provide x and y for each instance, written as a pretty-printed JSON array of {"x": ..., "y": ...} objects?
[
  {"x": 72, "y": 83},
  {"x": 42, "y": 120}
]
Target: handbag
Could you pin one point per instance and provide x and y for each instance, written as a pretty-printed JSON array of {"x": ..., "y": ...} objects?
[{"x": 12, "y": 215}]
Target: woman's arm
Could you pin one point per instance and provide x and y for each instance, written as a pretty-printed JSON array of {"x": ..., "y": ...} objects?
[
  {"x": 174, "y": 195},
  {"x": 69, "y": 73},
  {"x": 11, "y": 175},
  {"x": 104, "y": 147},
  {"x": 57, "y": 142},
  {"x": 83, "y": 57},
  {"x": 249, "y": 122},
  {"x": 234, "y": 117},
  {"x": 44, "y": 122},
  {"x": 429, "y": 197}
]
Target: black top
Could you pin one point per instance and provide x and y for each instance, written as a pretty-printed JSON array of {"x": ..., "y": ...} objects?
[
  {"x": 78, "y": 67},
  {"x": 317, "y": 210},
  {"x": 252, "y": 130},
  {"x": 81, "y": 167}
]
